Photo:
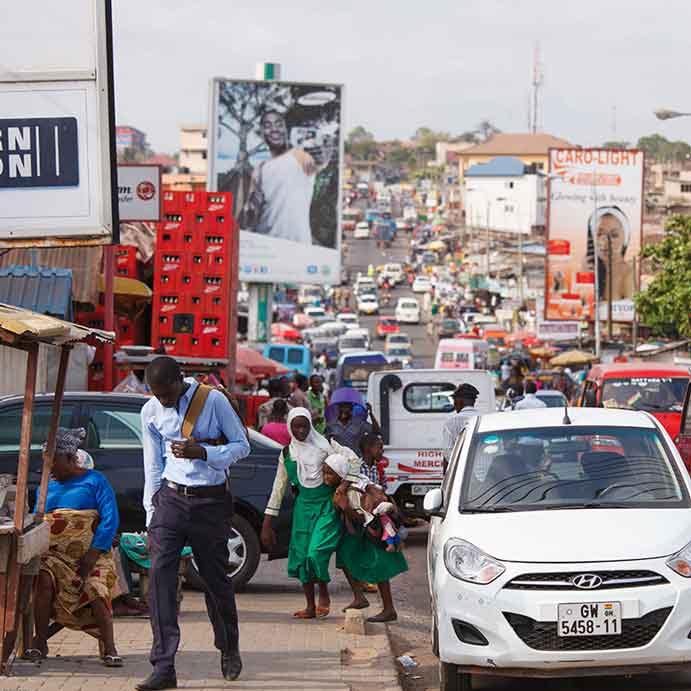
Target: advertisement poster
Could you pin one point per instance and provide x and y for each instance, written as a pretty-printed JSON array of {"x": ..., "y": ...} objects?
[
  {"x": 594, "y": 224},
  {"x": 139, "y": 192},
  {"x": 277, "y": 147}
]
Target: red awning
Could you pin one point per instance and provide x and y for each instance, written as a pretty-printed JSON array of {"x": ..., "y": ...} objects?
[{"x": 256, "y": 364}]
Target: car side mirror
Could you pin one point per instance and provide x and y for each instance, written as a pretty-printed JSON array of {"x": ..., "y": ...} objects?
[{"x": 433, "y": 502}]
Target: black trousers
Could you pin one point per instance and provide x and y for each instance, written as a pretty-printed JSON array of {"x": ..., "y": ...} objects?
[{"x": 204, "y": 524}]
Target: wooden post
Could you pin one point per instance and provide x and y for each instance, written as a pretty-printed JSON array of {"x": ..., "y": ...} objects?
[
  {"x": 10, "y": 594},
  {"x": 54, "y": 422}
]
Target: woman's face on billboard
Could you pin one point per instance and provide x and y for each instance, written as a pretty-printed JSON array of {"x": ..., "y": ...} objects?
[
  {"x": 274, "y": 130},
  {"x": 610, "y": 227}
]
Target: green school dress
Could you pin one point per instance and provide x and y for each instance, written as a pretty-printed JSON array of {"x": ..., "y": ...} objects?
[
  {"x": 366, "y": 562},
  {"x": 316, "y": 530}
]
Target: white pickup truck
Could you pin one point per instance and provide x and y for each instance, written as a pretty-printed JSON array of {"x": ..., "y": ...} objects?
[{"x": 411, "y": 407}]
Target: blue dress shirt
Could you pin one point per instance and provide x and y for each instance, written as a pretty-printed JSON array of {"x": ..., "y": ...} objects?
[
  {"x": 88, "y": 491},
  {"x": 162, "y": 426}
]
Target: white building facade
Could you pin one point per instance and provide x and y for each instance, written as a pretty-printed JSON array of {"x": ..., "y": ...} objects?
[
  {"x": 193, "y": 149},
  {"x": 505, "y": 195}
]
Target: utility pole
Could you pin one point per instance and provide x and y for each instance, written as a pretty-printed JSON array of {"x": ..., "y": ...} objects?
[
  {"x": 488, "y": 241},
  {"x": 537, "y": 81},
  {"x": 610, "y": 291},
  {"x": 596, "y": 265},
  {"x": 634, "y": 335}
]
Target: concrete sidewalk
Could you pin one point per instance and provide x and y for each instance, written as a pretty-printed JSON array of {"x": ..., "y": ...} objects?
[{"x": 278, "y": 651}]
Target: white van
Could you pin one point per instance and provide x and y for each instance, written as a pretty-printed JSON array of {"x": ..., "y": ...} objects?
[
  {"x": 407, "y": 311},
  {"x": 412, "y": 406},
  {"x": 461, "y": 353}
]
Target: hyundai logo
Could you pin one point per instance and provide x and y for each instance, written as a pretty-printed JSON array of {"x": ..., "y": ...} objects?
[
  {"x": 587, "y": 581},
  {"x": 312, "y": 269}
]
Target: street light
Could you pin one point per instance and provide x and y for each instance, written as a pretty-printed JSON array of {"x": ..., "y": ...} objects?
[
  {"x": 665, "y": 114},
  {"x": 520, "y": 245},
  {"x": 487, "y": 202}
]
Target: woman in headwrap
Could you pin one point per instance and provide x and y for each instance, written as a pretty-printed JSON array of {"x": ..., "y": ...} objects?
[
  {"x": 77, "y": 575},
  {"x": 316, "y": 528}
]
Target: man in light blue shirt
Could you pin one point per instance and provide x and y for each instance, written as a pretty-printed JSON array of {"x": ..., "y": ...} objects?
[{"x": 187, "y": 501}]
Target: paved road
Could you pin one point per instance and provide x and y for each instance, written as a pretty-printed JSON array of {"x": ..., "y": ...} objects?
[
  {"x": 411, "y": 634},
  {"x": 364, "y": 252}
]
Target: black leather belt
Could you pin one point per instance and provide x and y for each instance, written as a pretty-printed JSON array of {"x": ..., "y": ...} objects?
[{"x": 203, "y": 491}]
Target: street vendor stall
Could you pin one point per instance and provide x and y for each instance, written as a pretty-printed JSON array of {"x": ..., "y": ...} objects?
[{"x": 23, "y": 535}]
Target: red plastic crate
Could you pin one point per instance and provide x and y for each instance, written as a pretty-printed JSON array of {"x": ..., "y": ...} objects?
[
  {"x": 126, "y": 331},
  {"x": 125, "y": 261},
  {"x": 214, "y": 345}
]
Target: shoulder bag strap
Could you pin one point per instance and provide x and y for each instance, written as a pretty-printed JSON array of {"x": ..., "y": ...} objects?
[{"x": 194, "y": 410}]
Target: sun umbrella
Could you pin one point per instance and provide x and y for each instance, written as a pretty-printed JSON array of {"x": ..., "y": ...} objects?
[
  {"x": 257, "y": 364},
  {"x": 572, "y": 357}
]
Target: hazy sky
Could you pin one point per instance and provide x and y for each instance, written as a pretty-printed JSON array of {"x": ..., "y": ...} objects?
[{"x": 445, "y": 64}]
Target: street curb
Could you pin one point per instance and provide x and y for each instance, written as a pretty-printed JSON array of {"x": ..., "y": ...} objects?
[{"x": 392, "y": 658}]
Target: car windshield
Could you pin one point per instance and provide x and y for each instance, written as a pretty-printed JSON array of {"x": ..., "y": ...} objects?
[
  {"x": 449, "y": 324},
  {"x": 645, "y": 393},
  {"x": 553, "y": 399},
  {"x": 570, "y": 467},
  {"x": 387, "y": 322},
  {"x": 409, "y": 305},
  {"x": 403, "y": 352}
]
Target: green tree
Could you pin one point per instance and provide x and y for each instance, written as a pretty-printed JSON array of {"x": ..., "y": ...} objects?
[
  {"x": 486, "y": 129},
  {"x": 614, "y": 144},
  {"x": 360, "y": 144},
  {"x": 665, "y": 306},
  {"x": 659, "y": 148}
]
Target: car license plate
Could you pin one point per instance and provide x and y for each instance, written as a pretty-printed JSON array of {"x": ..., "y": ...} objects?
[
  {"x": 589, "y": 619},
  {"x": 421, "y": 490}
]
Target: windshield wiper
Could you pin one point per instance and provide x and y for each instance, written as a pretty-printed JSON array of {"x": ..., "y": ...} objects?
[{"x": 489, "y": 509}]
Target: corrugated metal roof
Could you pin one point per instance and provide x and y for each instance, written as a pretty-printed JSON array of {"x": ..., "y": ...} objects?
[
  {"x": 499, "y": 167},
  {"x": 522, "y": 144},
  {"x": 85, "y": 263},
  {"x": 21, "y": 325},
  {"x": 46, "y": 290}
]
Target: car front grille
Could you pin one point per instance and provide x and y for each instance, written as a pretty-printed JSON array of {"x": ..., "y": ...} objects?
[
  {"x": 542, "y": 635},
  {"x": 564, "y": 580}
]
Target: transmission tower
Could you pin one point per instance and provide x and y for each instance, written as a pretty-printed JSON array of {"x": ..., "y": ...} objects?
[{"x": 537, "y": 82}]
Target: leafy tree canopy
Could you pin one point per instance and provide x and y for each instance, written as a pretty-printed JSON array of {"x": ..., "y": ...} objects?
[
  {"x": 665, "y": 306},
  {"x": 661, "y": 149}
]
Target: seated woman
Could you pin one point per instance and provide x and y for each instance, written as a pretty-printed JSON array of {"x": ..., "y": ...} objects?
[{"x": 77, "y": 574}]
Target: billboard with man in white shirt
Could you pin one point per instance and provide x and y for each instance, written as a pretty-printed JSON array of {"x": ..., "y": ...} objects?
[{"x": 277, "y": 147}]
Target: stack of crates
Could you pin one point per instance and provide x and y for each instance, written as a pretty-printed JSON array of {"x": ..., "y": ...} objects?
[
  {"x": 192, "y": 274},
  {"x": 125, "y": 261}
]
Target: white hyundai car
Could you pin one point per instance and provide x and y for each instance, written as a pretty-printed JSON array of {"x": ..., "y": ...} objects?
[{"x": 560, "y": 546}]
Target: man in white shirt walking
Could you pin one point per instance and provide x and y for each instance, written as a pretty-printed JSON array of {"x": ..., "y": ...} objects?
[
  {"x": 464, "y": 398},
  {"x": 530, "y": 399}
]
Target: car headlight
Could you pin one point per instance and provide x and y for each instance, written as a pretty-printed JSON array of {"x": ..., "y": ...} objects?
[
  {"x": 465, "y": 561},
  {"x": 681, "y": 562}
]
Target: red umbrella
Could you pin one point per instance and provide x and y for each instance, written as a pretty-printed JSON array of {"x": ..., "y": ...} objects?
[{"x": 256, "y": 364}]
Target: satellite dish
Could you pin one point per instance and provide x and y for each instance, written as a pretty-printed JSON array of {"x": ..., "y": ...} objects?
[{"x": 317, "y": 98}]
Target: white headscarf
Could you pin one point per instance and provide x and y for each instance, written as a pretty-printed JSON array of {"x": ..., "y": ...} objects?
[
  {"x": 309, "y": 455},
  {"x": 339, "y": 464}
]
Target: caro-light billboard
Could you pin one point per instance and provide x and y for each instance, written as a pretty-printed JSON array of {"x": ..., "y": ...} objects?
[
  {"x": 594, "y": 227},
  {"x": 277, "y": 147}
]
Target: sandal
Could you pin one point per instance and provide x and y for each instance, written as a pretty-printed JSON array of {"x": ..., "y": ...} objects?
[
  {"x": 322, "y": 612},
  {"x": 382, "y": 618},
  {"x": 112, "y": 661},
  {"x": 303, "y": 614},
  {"x": 34, "y": 654}
]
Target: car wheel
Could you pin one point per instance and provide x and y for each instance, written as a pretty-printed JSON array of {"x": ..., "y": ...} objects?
[
  {"x": 450, "y": 679},
  {"x": 244, "y": 553}
]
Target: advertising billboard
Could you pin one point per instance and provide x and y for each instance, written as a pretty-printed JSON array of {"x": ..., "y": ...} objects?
[
  {"x": 139, "y": 192},
  {"x": 57, "y": 126},
  {"x": 277, "y": 146},
  {"x": 595, "y": 217}
]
